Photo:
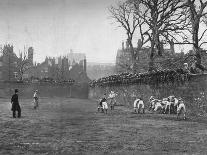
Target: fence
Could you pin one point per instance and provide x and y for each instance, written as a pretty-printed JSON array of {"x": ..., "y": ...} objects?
[{"x": 26, "y": 90}]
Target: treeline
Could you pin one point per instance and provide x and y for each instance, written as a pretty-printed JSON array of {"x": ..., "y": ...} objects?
[{"x": 161, "y": 22}]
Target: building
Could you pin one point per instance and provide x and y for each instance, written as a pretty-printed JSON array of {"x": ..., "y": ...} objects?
[
  {"x": 61, "y": 68},
  {"x": 1, "y": 69},
  {"x": 75, "y": 57},
  {"x": 27, "y": 62},
  {"x": 8, "y": 64},
  {"x": 30, "y": 55},
  {"x": 124, "y": 59}
]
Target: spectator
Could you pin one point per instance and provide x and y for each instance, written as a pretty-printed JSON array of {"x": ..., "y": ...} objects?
[
  {"x": 15, "y": 104},
  {"x": 36, "y": 99},
  {"x": 199, "y": 65},
  {"x": 112, "y": 101},
  {"x": 193, "y": 69},
  {"x": 186, "y": 69}
]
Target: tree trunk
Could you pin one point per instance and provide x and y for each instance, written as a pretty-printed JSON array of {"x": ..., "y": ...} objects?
[
  {"x": 21, "y": 76},
  {"x": 151, "y": 62},
  {"x": 154, "y": 43},
  {"x": 133, "y": 55},
  {"x": 195, "y": 41}
]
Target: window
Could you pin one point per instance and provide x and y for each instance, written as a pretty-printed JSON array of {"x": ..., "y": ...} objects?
[
  {"x": 15, "y": 75},
  {"x": 15, "y": 63}
]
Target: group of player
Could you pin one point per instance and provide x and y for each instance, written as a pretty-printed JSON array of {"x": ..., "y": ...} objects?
[
  {"x": 171, "y": 104},
  {"x": 103, "y": 105}
]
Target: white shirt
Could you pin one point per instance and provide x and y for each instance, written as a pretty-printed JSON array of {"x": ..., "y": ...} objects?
[
  {"x": 35, "y": 95},
  {"x": 112, "y": 95}
]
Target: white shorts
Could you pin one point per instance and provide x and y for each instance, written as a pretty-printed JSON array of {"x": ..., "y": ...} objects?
[
  {"x": 141, "y": 106},
  {"x": 157, "y": 106},
  {"x": 152, "y": 103},
  {"x": 105, "y": 105},
  {"x": 36, "y": 103},
  {"x": 181, "y": 106},
  {"x": 140, "y": 103},
  {"x": 166, "y": 103},
  {"x": 135, "y": 103},
  {"x": 112, "y": 101}
]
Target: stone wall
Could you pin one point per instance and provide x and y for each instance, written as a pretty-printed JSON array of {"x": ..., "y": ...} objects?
[
  {"x": 26, "y": 90},
  {"x": 189, "y": 91}
]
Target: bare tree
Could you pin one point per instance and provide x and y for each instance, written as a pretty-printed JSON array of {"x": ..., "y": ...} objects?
[
  {"x": 162, "y": 17},
  {"x": 23, "y": 65},
  {"x": 197, "y": 11},
  {"x": 124, "y": 15},
  {"x": 123, "y": 66}
]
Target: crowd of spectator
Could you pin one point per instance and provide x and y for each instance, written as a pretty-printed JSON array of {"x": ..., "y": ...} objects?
[
  {"x": 153, "y": 78},
  {"x": 45, "y": 80}
]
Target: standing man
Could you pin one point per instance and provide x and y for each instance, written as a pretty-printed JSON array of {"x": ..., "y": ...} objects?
[
  {"x": 186, "y": 69},
  {"x": 36, "y": 102},
  {"x": 104, "y": 104},
  {"x": 15, "y": 104},
  {"x": 112, "y": 96}
]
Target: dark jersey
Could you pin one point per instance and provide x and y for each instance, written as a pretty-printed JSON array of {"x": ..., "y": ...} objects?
[
  {"x": 102, "y": 100},
  {"x": 14, "y": 99}
]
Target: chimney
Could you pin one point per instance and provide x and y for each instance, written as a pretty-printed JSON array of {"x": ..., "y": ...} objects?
[
  {"x": 139, "y": 44},
  {"x": 172, "y": 48},
  {"x": 84, "y": 64},
  {"x": 122, "y": 45},
  {"x": 20, "y": 55}
]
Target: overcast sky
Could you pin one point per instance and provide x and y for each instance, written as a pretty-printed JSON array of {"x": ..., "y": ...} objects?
[{"x": 53, "y": 27}]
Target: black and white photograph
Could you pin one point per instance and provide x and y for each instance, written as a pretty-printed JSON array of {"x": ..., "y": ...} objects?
[{"x": 103, "y": 77}]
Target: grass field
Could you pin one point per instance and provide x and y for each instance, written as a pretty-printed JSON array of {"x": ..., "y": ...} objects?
[{"x": 73, "y": 126}]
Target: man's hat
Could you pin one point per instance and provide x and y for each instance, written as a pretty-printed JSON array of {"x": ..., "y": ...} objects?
[
  {"x": 36, "y": 90},
  {"x": 16, "y": 90}
]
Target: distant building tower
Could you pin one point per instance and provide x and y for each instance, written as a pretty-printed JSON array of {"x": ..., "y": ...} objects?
[
  {"x": 81, "y": 63},
  {"x": 30, "y": 54},
  {"x": 122, "y": 45},
  {"x": 59, "y": 61},
  {"x": 20, "y": 55},
  {"x": 84, "y": 64}
]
